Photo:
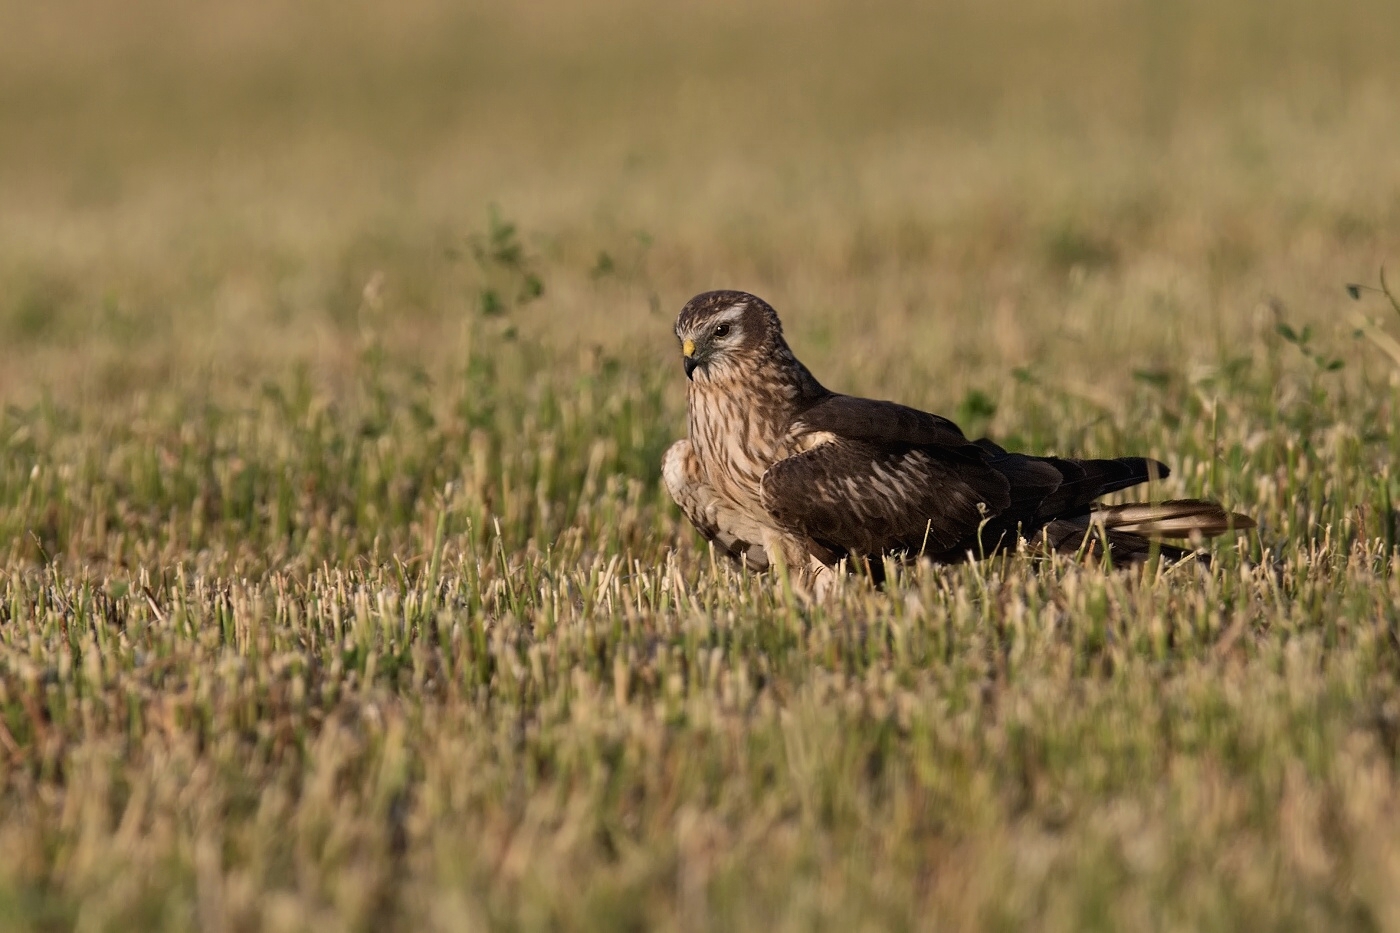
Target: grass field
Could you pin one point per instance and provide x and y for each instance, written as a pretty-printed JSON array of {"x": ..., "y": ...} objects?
[{"x": 338, "y": 589}]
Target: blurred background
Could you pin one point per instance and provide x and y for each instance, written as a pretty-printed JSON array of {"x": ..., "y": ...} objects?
[{"x": 960, "y": 189}]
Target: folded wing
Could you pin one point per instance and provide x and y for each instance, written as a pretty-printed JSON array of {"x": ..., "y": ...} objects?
[{"x": 884, "y": 477}]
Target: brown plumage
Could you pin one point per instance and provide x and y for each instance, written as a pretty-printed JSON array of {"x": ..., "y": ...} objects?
[{"x": 777, "y": 466}]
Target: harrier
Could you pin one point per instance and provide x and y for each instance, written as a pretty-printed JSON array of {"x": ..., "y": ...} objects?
[{"x": 777, "y": 468}]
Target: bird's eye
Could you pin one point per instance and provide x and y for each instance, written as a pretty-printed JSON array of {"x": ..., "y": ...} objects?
[{"x": 722, "y": 330}]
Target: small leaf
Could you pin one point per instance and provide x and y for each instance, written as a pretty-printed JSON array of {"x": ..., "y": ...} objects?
[
  {"x": 490, "y": 303},
  {"x": 531, "y": 288},
  {"x": 976, "y": 406},
  {"x": 1354, "y": 291},
  {"x": 1158, "y": 378},
  {"x": 1286, "y": 332},
  {"x": 507, "y": 254},
  {"x": 604, "y": 265}
]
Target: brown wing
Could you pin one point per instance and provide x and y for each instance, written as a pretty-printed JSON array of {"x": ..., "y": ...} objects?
[
  {"x": 888, "y": 478},
  {"x": 895, "y": 478},
  {"x": 856, "y": 497},
  {"x": 1046, "y": 488},
  {"x": 884, "y": 423}
]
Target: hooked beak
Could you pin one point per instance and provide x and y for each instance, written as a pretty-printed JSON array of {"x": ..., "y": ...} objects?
[{"x": 690, "y": 362}]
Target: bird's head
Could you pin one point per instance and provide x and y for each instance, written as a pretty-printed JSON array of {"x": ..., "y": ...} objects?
[{"x": 724, "y": 333}]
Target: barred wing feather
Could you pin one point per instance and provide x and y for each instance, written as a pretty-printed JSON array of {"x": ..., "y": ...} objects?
[{"x": 859, "y": 497}]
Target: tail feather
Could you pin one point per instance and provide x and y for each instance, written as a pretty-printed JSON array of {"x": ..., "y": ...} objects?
[
  {"x": 1054, "y": 496},
  {"x": 1086, "y": 480},
  {"x": 1135, "y": 531},
  {"x": 1055, "y": 487},
  {"x": 1174, "y": 518}
]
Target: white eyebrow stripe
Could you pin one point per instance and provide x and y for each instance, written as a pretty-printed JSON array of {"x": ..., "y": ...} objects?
[{"x": 729, "y": 315}]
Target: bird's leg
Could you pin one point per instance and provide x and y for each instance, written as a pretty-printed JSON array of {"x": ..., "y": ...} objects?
[
  {"x": 813, "y": 584},
  {"x": 808, "y": 577},
  {"x": 823, "y": 578}
]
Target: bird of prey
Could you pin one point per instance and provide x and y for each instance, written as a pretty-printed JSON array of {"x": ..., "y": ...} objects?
[{"x": 778, "y": 468}]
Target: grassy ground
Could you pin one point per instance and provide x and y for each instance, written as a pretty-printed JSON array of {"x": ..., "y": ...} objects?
[{"x": 337, "y": 586}]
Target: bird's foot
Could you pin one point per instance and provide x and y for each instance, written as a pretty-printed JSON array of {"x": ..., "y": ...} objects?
[{"x": 822, "y": 580}]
